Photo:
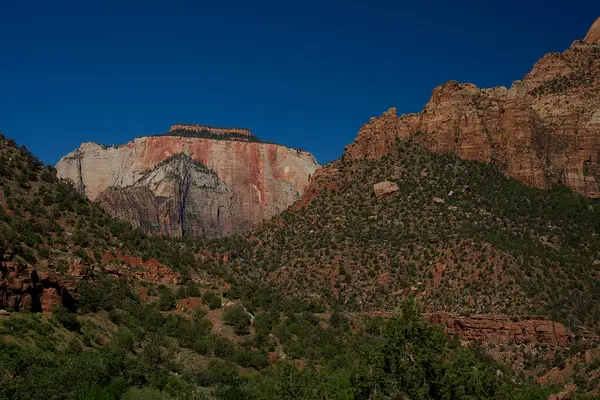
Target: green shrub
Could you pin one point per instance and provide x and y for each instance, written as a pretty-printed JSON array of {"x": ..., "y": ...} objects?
[
  {"x": 212, "y": 300},
  {"x": 67, "y": 319},
  {"x": 237, "y": 317},
  {"x": 192, "y": 290},
  {"x": 251, "y": 358},
  {"x": 181, "y": 292},
  {"x": 167, "y": 299},
  {"x": 222, "y": 348},
  {"x": 125, "y": 339}
]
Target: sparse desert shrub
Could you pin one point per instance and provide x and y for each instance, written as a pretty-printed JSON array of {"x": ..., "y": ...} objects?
[
  {"x": 237, "y": 317},
  {"x": 67, "y": 319}
]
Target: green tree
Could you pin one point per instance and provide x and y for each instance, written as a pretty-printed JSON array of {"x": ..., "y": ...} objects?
[
  {"x": 237, "y": 317},
  {"x": 67, "y": 319},
  {"x": 212, "y": 300},
  {"x": 167, "y": 300}
]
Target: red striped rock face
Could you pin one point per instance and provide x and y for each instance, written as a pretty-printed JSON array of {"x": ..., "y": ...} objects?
[
  {"x": 237, "y": 184},
  {"x": 541, "y": 131}
]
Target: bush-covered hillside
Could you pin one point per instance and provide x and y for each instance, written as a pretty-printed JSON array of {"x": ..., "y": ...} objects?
[
  {"x": 131, "y": 350},
  {"x": 213, "y": 335},
  {"x": 44, "y": 221},
  {"x": 457, "y": 234}
]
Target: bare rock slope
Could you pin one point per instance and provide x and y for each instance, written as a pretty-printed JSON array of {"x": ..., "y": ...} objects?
[{"x": 196, "y": 180}]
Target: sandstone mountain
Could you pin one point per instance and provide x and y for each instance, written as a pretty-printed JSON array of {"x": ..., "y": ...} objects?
[
  {"x": 541, "y": 131},
  {"x": 109, "y": 308},
  {"x": 491, "y": 259},
  {"x": 420, "y": 205},
  {"x": 194, "y": 180},
  {"x": 514, "y": 267},
  {"x": 455, "y": 233}
]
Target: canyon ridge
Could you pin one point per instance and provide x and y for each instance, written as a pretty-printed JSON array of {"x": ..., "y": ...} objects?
[{"x": 542, "y": 131}]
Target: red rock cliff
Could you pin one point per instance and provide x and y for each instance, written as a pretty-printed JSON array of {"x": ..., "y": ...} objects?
[
  {"x": 216, "y": 187},
  {"x": 541, "y": 131}
]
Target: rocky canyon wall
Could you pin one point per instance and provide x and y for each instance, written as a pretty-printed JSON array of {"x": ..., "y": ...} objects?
[
  {"x": 541, "y": 131},
  {"x": 183, "y": 186}
]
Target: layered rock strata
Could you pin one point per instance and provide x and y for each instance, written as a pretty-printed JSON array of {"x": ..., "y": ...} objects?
[
  {"x": 502, "y": 329},
  {"x": 184, "y": 186},
  {"x": 542, "y": 131}
]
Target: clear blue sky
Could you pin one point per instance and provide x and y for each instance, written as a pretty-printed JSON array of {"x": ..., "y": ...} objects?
[{"x": 301, "y": 73}]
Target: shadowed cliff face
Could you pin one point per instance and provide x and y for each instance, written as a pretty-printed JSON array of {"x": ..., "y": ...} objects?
[
  {"x": 177, "y": 198},
  {"x": 180, "y": 186},
  {"x": 542, "y": 131}
]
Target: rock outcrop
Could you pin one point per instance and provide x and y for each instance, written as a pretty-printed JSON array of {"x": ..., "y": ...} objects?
[
  {"x": 384, "y": 189},
  {"x": 541, "y": 131},
  {"x": 564, "y": 394},
  {"x": 177, "y": 185},
  {"x": 179, "y": 197},
  {"x": 502, "y": 329},
  {"x": 44, "y": 288},
  {"x": 23, "y": 288},
  {"x": 144, "y": 270},
  {"x": 593, "y": 36},
  {"x": 497, "y": 329}
]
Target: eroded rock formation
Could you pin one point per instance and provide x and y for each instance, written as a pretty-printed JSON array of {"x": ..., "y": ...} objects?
[
  {"x": 593, "y": 36},
  {"x": 497, "y": 329},
  {"x": 541, "y": 131},
  {"x": 135, "y": 267},
  {"x": 180, "y": 186},
  {"x": 25, "y": 288},
  {"x": 502, "y": 329},
  {"x": 384, "y": 189},
  {"x": 179, "y": 197}
]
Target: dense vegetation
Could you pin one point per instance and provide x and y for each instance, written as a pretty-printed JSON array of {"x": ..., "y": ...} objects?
[
  {"x": 207, "y": 134},
  {"x": 225, "y": 332},
  {"x": 178, "y": 357}
]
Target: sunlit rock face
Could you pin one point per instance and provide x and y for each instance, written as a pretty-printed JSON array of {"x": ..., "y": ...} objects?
[
  {"x": 541, "y": 131},
  {"x": 184, "y": 185}
]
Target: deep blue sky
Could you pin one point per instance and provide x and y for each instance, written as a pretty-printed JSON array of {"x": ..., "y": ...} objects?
[{"x": 301, "y": 73}]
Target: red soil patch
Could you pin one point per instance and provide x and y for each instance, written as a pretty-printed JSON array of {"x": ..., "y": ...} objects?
[
  {"x": 133, "y": 261},
  {"x": 150, "y": 270},
  {"x": 186, "y": 306}
]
